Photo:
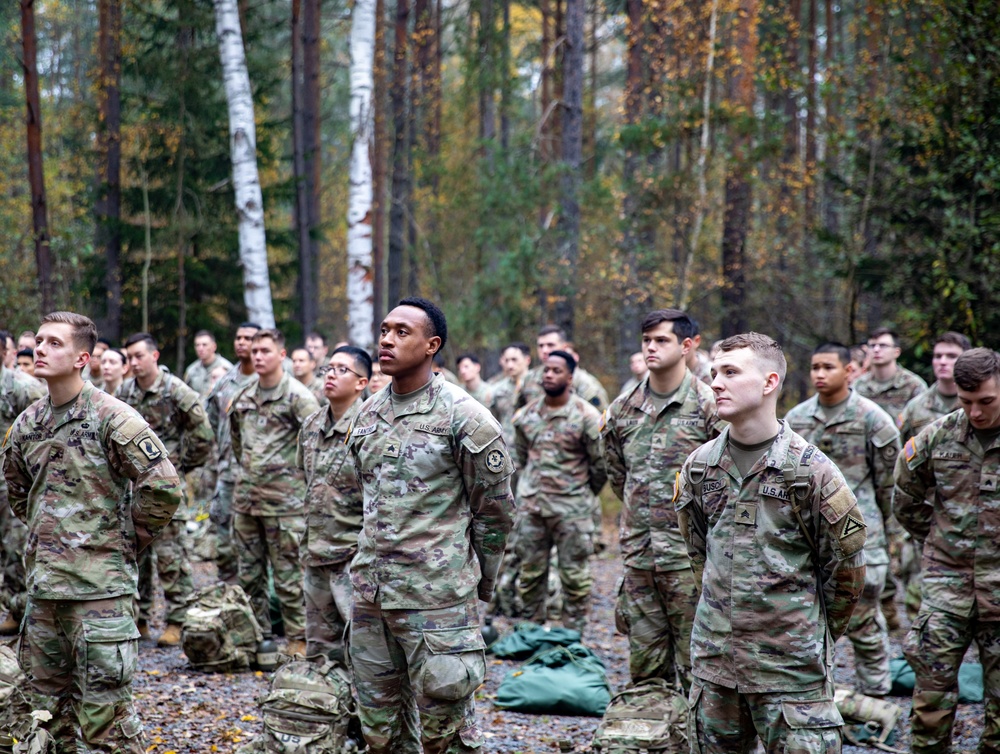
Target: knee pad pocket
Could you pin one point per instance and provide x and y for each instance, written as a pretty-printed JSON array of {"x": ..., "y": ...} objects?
[
  {"x": 456, "y": 663},
  {"x": 811, "y": 714}
]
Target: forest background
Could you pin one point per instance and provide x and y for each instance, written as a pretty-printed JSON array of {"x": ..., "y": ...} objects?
[{"x": 808, "y": 168}]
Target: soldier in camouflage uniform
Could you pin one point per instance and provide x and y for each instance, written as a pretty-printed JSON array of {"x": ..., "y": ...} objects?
[
  {"x": 197, "y": 374},
  {"x": 586, "y": 385},
  {"x": 17, "y": 391},
  {"x": 939, "y": 399},
  {"x": 648, "y": 433},
  {"x": 861, "y": 439},
  {"x": 304, "y": 370},
  {"x": 219, "y": 398},
  {"x": 114, "y": 368},
  {"x": 637, "y": 366},
  {"x": 175, "y": 414},
  {"x": 778, "y": 587},
  {"x": 95, "y": 486},
  {"x": 333, "y": 504},
  {"x": 947, "y": 496},
  {"x": 434, "y": 472},
  {"x": 562, "y": 466},
  {"x": 470, "y": 373},
  {"x": 269, "y": 502}
]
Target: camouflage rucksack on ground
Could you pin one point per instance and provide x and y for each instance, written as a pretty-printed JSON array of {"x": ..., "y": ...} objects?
[
  {"x": 20, "y": 727},
  {"x": 649, "y": 716},
  {"x": 220, "y": 632},
  {"x": 309, "y": 710}
]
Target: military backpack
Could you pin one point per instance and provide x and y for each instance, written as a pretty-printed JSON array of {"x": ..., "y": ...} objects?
[
  {"x": 309, "y": 710},
  {"x": 220, "y": 632},
  {"x": 649, "y": 716}
]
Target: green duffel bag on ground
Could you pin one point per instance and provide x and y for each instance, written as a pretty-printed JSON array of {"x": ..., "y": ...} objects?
[
  {"x": 970, "y": 680},
  {"x": 649, "y": 716},
  {"x": 559, "y": 681},
  {"x": 528, "y": 639}
]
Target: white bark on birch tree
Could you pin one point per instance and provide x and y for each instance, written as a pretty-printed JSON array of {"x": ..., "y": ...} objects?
[
  {"x": 246, "y": 180},
  {"x": 360, "y": 275}
]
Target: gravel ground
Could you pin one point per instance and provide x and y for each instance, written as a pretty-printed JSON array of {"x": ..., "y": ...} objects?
[{"x": 187, "y": 711}]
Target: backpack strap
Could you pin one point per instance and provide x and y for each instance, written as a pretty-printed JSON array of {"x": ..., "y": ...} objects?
[{"x": 796, "y": 475}]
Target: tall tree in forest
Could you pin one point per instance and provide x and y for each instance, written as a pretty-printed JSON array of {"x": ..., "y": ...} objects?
[
  {"x": 246, "y": 181},
  {"x": 572, "y": 149},
  {"x": 738, "y": 193},
  {"x": 400, "y": 101},
  {"x": 312, "y": 155},
  {"x": 108, "y": 205},
  {"x": 36, "y": 176},
  {"x": 379, "y": 110},
  {"x": 360, "y": 313},
  {"x": 303, "y": 220}
]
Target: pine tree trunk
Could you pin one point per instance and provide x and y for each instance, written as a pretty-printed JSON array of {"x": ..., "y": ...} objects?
[
  {"x": 312, "y": 151},
  {"x": 360, "y": 311},
  {"x": 36, "y": 176},
  {"x": 303, "y": 222},
  {"x": 378, "y": 167},
  {"x": 246, "y": 181},
  {"x": 108, "y": 204},
  {"x": 400, "y": 174}
]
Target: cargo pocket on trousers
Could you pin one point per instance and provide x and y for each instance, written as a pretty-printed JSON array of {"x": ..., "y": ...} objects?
[
  {"x": 694, "y": 730},
  {"x": 112, "y": 652},
  {"x": 915, "y": 641},
  {"x": 621, "y": 609},
  {"x": 812, "y": 714},
  {"x": 456, "y": 664}
]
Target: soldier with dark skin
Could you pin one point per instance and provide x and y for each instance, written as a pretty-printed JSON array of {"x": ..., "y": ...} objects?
[
  {"x": 95, "y": 486},
  {"x": 435, "y": 476},
  {"x": 776, "y": 540},
  {"x": 947, "y": 497},
  {"x": 586, "y": 385}
]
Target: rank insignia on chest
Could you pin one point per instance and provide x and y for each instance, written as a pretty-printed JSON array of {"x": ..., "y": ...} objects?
[
  {"x": 495, "y": 461},
  {"x": 392, "y": 449},
  {"x": 988, "y": 483},
  {"x": 746, "y": 513}
]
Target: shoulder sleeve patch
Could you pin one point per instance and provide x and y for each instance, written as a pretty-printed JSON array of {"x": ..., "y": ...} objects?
[
  {"x": 126, "y": 427},
  {"x": 836, "y": 506},
  {"x": 486, "y": 431},
  {"x": 851, "y": 532},
  {"x": 188, "y": 400},
  {"x": 910, "y": 452},
  {"x": 6, "y": 438},
  {"x": 885, "y": 435}
]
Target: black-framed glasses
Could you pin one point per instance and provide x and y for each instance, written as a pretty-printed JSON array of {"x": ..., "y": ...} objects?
[{"x": 338, "y": 370}]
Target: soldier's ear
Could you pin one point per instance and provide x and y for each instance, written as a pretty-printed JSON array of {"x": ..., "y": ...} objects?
[
  {"x": 772, "y": 381},
  {"x": 686, "y": 345},
  {"x": 81, "y": 360}
]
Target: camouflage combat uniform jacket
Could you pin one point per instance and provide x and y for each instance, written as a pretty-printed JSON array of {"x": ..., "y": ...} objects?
[
  {"x": 892, "y": 396},
  {"x": 925, "y": 409},
  {"x": 174, "y": 412},
  {"x": 265, "y": 437},
  {"x": 333, "y": 497},
  {"x": 231, "y": 383},
  {"x": 198, "y": 376},
  {"x": 864, "y": 444},
  {"x": 69, "y": 481},
  {"x": 17, "y": 391},
  {"x": 559, "y": 452},
  {"x": 759, "y": 626},
  {"x": 503, "y": 405},
  {"x": 586, "y": 385},
  {"x": 959, "y": 521},
  {"x": 437, "y": 500},
  {"x": 645, "y": 453}
]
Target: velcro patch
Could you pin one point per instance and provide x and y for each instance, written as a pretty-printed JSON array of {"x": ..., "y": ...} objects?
[
  {"x": 495, "y": 460},
  {"x": 746, "y": 513},
  {"x": 431, "y": 429},
  {"x": 910, "y": 449},
  {"x": 713, "y": 485},
  {"x": 773, "y": 490},
  {"x": 851, "y": 526},
  {"x": 392, "y": 449},
  {"x": 363, "y": 431},
  {"x": 148, "y": 447}
]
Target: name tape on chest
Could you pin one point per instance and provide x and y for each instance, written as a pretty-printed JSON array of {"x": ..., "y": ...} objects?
[
  {"x": 713, "y": 485},
  {"x": 444, "y": 429},
  {"x": 363, "y": 431},
  {"x": 773, "y": 490}
]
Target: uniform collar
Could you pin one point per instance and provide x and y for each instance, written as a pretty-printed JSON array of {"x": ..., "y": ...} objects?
[
  {"x": 422, "y": 405},
  {"x": 78, "y": 410},
  {"x": 280, "y": 391},
  {"x": 340, "y": 427},
  {"x": 849, "y": 413},
  {"x": 641, "y": 396},
  {"x": 157, "y": 386},
  {"x": 775, "y": 456}
]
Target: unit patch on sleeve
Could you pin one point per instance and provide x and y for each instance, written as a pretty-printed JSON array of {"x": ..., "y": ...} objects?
[
  {"x": 851, "y": 526},
  {"x": 495, "y": 460}
]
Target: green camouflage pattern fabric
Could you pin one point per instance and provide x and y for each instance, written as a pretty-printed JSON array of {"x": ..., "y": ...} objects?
[
  {"x": 333, "y": 496},
  {"x": 925, "y": 409},
  {"x": 759, "y": 626},
  {"x": 17, "y": 392},
  {"x": 703, "y": 369},
  {"x": 483, "y": 393},
  {"x": 172, "y": 564},
  {"x": 723, "y": 720},
  {"x": 199, "y": 377},
  {"x": 80, "y": 656},
  {"x": 437, "y": 503},
  {"x": 316, "y": 388},
  {"x": 416, "y": 673},
  {"x": 891, "y": 396},
  {"x": 645, "y": 451},
  {"x": 934, "y": 647},
  {"x": 503, "y": 404},
  {"x": 864, "y": 443},
  {"x": 328, "y": 593},
  {"x": 231, "y": 383},
  {"x": 586, "y": 385},
  {"x": 947, "y": 496},
  {"x": 69, "y": 481},
  {"x": 265, "y": 438}
]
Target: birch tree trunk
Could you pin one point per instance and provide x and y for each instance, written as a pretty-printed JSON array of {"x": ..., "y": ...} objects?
[
  {"x": 246, "y": 181},
  {"x": 360, "y": 291}
]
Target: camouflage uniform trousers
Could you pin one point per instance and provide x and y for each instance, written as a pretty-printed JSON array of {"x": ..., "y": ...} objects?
[
  {"x": 870, "y": 636},
  {"x": 328, "y": 594},
  {"x": 220, "y": 513},
  {"x": 80, "y": 657},
  {"x": 14, "y": 592},
  {"x": 173, "y": 565},
  {"x": 910, "y": 557},
  {"x": 655, "y": 610},
  {"x": 724, "y": 721},
  {"x": 934, "y": 647},
  {"x": 274, "y": 541},
  {"x": 573, "y": 538},
  {"x": 416, "y": 673}
]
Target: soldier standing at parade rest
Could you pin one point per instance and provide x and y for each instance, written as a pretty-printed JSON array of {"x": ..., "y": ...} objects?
[
  {"x": 947, "y": 496},
  {"x": 232, "y": 382},
  {"x": 858, "y": 436},
  {"x": 174, "y": 412},
  {"x": 84, "y": 470},
  {"x": 435, "y": 475},
  {"x": 17, "y": 391},
  {"x": 269, "y": 501},
  {"x": 776, "y": 540},
  {"x": 333, "y": 504},
  {"x": 562, "y": 466},
  {"x": 648, "y": 434},
  {"x": 196, "y": 375}
]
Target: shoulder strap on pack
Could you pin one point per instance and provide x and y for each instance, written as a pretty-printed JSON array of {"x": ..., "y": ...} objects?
[
  {"x": 698, "y": 468},
  {"x": 796, "y": 475}
]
